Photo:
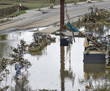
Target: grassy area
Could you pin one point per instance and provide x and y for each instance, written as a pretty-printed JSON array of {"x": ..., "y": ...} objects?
[
  {"x": 31, "y": 4},
  {"x": 4, "y": 6},
  {"x": 19, "y": 13},
  {"x": 35, "y": 5}
]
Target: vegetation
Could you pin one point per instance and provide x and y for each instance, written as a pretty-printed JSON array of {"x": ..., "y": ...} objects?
[
  {"x": 18, "y": 13},
  {"x": 31, "y": 4},
  {"x": 100, "y": 0}
]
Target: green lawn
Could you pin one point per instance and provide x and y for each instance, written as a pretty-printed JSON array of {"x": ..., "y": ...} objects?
[
  {"x": 18, "y": 13},
  {"x": 35, "y": 5},
  {"x": 31, "y": 4}
]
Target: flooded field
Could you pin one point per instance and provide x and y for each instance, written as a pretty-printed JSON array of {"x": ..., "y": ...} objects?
[{"x": 55, "y": 68}]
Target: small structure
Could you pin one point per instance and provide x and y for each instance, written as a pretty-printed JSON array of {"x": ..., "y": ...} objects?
[
  {"x": 51, "y": 6},
  {"x": 88, "y": 1},
  {"x": 94, "y": 56},
  {"x": 52, "y": 3},
  {"x": 65, "y": 41},
  {"x": 95, "y": 51}
]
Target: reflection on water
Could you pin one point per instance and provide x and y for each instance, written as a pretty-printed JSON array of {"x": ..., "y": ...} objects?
[
  {"x": 65, "y": 74},
  {"x": 22, "y": 85},
  {"x": 1, "y": 49},
  {"x": 56, "y": 68},
  {"x": 48, "y": 71},
  {"x": 3, "y": 37},
  {"x": 94, "y": 68},
  {"x": 62, "y": 68},
  {"x": 96, "y": 77}
]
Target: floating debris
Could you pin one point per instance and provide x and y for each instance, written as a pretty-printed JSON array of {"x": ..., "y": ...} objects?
[
  {"x": 3, "y": 64},
  {"x": 40, "y": 41},
  {"x": 17, "y": 56},
  {"x": 4, "y": 88},
  {"x": 95, "y": 17}
]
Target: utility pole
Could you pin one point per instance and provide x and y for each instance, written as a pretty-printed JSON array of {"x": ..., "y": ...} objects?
[
  {"x": 62, "y": 50},
  {"x": 62, "y": 47},
  {"x": 62, "y": 67},
  {"x": 62, "y": 15}
]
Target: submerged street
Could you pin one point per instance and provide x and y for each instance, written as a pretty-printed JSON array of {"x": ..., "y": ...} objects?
[
  {"x": 46, "y": 71},
  {"x": 53, "y": 67}
]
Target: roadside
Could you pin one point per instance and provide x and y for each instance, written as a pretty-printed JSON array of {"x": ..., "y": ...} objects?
[
  {"x": 35, "y": 18},
  {"x": 34, "y": 13}
]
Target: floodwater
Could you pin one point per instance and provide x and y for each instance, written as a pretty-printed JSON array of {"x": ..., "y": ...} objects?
[{"x": 54, "y": 69}]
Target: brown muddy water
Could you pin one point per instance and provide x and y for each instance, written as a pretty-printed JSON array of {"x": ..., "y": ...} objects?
[{"x": 55, "y": 69}]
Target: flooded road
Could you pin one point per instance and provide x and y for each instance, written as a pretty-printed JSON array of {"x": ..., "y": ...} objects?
[{"x": 54, "y": 69}]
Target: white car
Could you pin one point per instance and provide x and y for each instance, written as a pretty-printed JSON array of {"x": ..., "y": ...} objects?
[{"x": 88, "y": 1}]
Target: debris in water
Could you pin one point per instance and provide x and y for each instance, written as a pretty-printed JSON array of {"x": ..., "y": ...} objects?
[{"x": 40, "y": 41}]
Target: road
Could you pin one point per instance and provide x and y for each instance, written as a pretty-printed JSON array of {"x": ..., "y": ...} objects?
[{"x": 34, "y": 18}]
